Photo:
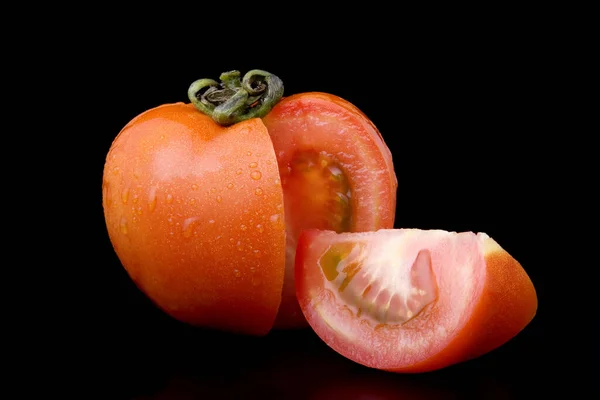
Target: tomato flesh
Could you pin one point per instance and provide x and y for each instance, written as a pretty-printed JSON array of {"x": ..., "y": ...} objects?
[
  {"x": 367, "y": 287},
  {"x": 336, "y": 173},
  {"x": 316, "y": 188},
  {"x": 409, "y": 300}
]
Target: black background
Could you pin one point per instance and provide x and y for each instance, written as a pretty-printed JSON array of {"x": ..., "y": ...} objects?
[{"x": 461, "y": 111}]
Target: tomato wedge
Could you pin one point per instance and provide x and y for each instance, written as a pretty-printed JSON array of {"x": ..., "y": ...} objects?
[
  {"x": 336, "y": 173},
  {"x": 409, "y": 300}
]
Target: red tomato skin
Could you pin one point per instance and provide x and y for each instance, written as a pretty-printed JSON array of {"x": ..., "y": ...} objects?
[
  {"x": 322, "y": 122},
  {"x": 502, "y": 301},
  {"x": 191, "y": 210}
]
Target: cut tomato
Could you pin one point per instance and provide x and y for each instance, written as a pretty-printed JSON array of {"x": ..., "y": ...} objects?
[
  {"x": 336, "y": 174},
  {"x": 409, "y": 300},
  {"x": 203, "y": 202}
]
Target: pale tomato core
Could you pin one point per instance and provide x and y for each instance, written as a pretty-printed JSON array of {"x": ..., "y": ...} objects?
[{"x": 378, "y": 284}]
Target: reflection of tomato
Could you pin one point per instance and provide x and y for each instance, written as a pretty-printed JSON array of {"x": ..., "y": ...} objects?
[
  {"x": 336, "y": 173},
  {"x": 376, "y": 385},
  {"x": 198, "y": 212},
  {"x": 409, "y": 300}
]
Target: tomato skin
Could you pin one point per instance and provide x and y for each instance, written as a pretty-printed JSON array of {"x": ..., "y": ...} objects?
[
  {"x": 482, "y": 303},
  {"x": 195, "y": 214},
  {"x": 322, "y": 122}
]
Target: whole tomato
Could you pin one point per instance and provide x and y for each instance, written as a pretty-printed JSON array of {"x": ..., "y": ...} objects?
[{"x": 204, "y": 201}]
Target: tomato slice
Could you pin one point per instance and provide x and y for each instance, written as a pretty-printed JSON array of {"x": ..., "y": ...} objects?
[
  {"x": 336, "y": 173},
  {"x": 409, "y": 300}
]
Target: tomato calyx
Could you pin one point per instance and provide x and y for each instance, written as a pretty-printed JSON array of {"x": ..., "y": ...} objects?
[{"x": 234, "y": 99}]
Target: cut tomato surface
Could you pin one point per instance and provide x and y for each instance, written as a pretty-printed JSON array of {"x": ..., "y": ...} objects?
[
  {"x": 409, "y": 300},
  {"x": 336, "y": 173}
]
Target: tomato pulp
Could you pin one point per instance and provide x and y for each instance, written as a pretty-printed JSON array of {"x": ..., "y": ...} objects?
[
  {"x": 336, "y": 174},
  {"x": 409, "y": 300}
]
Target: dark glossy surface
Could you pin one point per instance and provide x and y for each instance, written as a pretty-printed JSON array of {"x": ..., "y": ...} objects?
[{"x": 152, "y": 357}]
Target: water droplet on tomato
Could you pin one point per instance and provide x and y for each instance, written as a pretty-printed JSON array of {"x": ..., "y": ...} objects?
[
  {"x": 125, "y": 195},
  {"x": 237, "y": 273},
  {"x": 256, "y": 253},
  {"x": 275, "y": 218},
  {"x": 277, "y": 182},
  {"x": 194, "y": 187},
  {"x": 253, "y": 165},
  {"x": 258, "y": 191},
  {"x": 192, "y": 202},
  {"x": 152, "y": 199},
  {"x": 219, "y": 199},
  {"x": 123, "y": 226},
  {"x": 230, "y": 185},
  {"x": 211, "y": 221},
  {"x": 188, "y": 226},
  {"x": 260, "y": 228},
  {"x": 169, "y": 198},
  {"x": 256, "y": 175},
  {"x": 243, "y": 227},
  {"x": 135, "y": 199},
  {"x": 239, "y": 171},
  {"x": 249, "y": 153}
]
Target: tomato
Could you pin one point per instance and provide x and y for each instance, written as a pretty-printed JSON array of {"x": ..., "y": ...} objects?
[
  {"x": 195, "y": 213},
  {"x": 336, "y": 173},
  {"x": 204, "y": 201},
  {"x": 409, "y": 300}
]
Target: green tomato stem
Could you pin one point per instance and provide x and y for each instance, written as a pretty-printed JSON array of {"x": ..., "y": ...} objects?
[{"x": 234, "y": 99}]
